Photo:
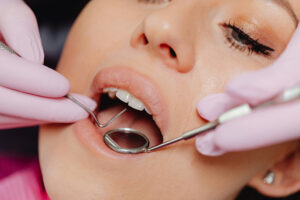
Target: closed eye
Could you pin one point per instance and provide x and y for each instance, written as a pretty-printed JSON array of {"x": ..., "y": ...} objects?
[{"x": 242, "y": 41}]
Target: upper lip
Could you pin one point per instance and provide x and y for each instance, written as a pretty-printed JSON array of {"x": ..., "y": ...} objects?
[{"x": 136, "y": 84}]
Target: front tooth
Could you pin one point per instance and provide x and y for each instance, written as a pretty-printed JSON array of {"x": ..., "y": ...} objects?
[
  {"x": 136, "y": 104},
  {"x": 123, "y": 95}
]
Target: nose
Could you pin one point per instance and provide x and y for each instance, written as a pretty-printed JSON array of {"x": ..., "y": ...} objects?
[{"x": 163, "y": 33}]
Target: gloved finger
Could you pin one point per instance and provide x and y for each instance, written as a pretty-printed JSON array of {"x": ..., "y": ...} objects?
[
  {"x": 8, "y": 122},
  {"x": 257, "y": 87},
  {"x": 27, "y": 106},
  {"x": 212, "y": 106},
  {"x": 22, "y": 75},
  {"x": 262, "y": 128},
  {"x": 19, "y": 28}
]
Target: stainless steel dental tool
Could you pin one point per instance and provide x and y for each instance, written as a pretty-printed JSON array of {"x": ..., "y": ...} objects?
[
  {"x": 6, "y": 48},
  {"x": 287, "y": 96}
]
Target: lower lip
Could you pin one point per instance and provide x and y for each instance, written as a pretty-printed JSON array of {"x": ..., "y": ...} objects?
[{"x": 92, "y": 137}]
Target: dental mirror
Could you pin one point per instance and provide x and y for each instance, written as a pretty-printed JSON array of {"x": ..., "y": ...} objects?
[
  {"x": 142, "y": 146},
  {"x": 126, "y": 140}
]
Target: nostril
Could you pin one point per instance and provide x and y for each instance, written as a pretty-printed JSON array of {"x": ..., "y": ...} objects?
[
  {"x": 144, "y": 39},
  {"x": 140, "y": 40},
  {"x": 171, "y": 51}
]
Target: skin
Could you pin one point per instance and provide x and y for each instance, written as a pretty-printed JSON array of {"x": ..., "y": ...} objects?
[{"x": 204, "y": 63}]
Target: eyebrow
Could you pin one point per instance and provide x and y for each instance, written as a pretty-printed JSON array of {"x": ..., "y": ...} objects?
[{"x": 287, "y": 6}]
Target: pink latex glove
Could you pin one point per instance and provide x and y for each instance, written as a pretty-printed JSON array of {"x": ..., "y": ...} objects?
[
  {"x": 263, "y": 127},
  {"x": 30, "y": 93}
]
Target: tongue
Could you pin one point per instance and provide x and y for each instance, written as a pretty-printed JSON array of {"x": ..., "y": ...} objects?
[{"x": 131, "y": 119}]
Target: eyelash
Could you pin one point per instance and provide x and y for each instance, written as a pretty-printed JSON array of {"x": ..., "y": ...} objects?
[{"x": 243, "y": 42}]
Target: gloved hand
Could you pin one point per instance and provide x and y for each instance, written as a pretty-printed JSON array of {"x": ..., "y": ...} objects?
[
  {"x": 30, "y": 93},
  {"x": 263, "y": 127}
]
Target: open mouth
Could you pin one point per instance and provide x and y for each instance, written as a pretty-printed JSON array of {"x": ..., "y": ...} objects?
[
  {"x": 116, "y": 88},
  {"x": 138, "y": 116}
]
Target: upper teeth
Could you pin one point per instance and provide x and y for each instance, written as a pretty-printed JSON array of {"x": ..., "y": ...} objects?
[{"x": 126, "y": 97}]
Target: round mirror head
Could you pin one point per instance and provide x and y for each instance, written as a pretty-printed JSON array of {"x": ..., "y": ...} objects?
[{"x": 126, "y": 140}]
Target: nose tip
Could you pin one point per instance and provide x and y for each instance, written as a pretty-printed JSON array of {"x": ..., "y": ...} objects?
[{"x": 162, "y": 38}]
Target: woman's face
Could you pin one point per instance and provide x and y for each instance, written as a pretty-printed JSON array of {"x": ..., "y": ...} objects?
[{"x": 169, "y": 55}]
